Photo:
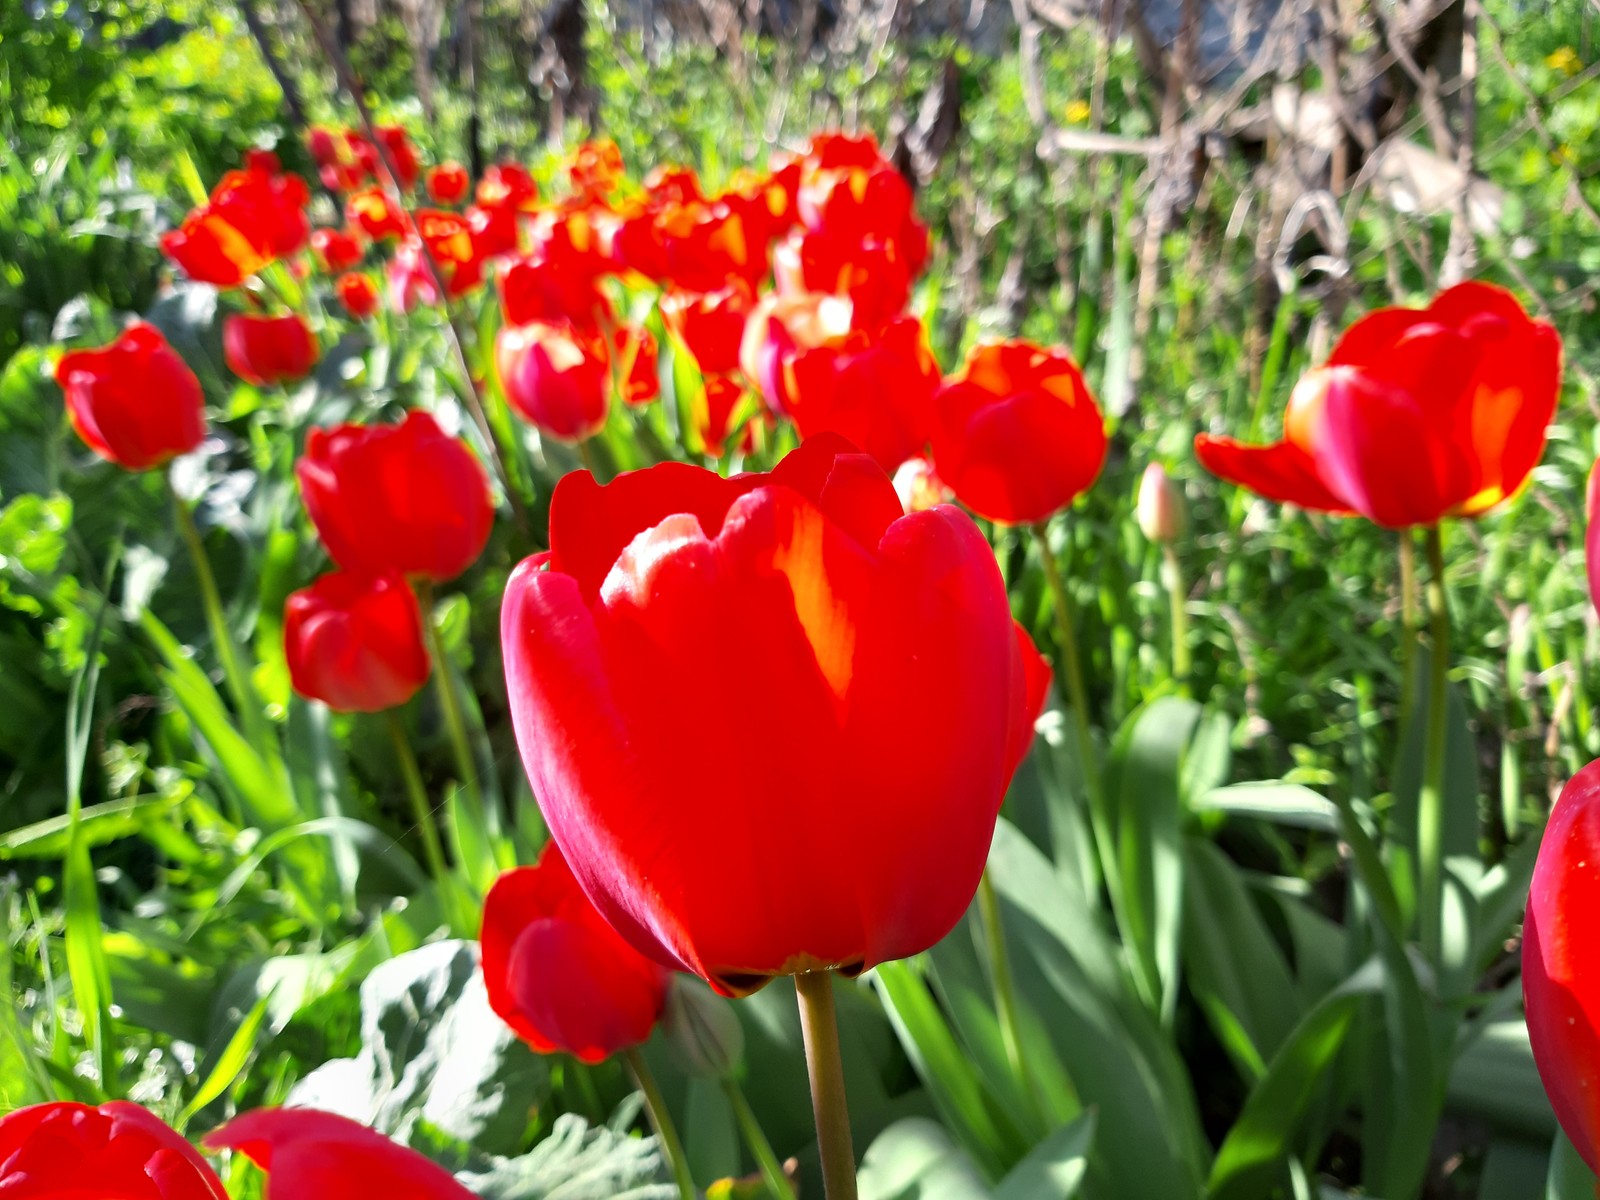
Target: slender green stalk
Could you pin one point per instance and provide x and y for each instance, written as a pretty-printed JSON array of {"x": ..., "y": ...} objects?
[
  {"x": 449, "y": 700},
  {"x": 1408, "y": 625},
  {"x": 754, "y": 1137},
  {"x": 1005, "y": 995},
  {"x": 661, "y": 1119},
  {"x": 1071, "y": 666},
  {"x": 421, "y": 809},
  {"x": 1178, "y": 599},
  {"x": 820, "y": 1028},
  {"x": 586, "y": 456},
  {"x": 242, "y": 690},
  {"x": 1430, "y": 801}
]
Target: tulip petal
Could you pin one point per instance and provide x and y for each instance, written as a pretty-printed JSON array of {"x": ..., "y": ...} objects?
[{"x": 1281, "y": 472}]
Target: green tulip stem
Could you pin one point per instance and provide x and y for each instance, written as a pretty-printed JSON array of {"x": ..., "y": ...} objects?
[
  {"x": 754, "y": 1137},
  {"x": 1005, "y": 994},
  {"x": 1430, "y": 801},
  {"x": 587, "y": 457},
  {"x": 1178, "y": 599},
  {"x": 1071, "y": 666},
  {"x": 820, "y": 1026},
  {"x": 449, "y": 699},
  {"x": 1408, "y": 624},
  {"x": 666, "y": 1132},
  {"x": 421, "y": 809},
  {"x": 243, "y": 691}
]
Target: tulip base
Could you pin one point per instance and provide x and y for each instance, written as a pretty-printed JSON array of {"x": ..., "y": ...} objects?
[{"x": 820, "y": 1027}]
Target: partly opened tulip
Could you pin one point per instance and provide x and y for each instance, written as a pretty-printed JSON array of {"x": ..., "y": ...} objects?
[
  {"x": 560, "y": 976},
  {"x": 1418, "y": 414},
  {"x": 355, "y": 642},
  {"x": 268, "y": 350},
  {"x": 135, "y": 402},
  {"x": 557, "y": 376},
  {"x": 1560, "y": 947},
  {"x": 876, "y": 654},
  {"x": 64, "y": 1151},
  {"x": 311, "y": 1155},
  {"x": 358, "y": 294},
  {"x": 406, "y": 498},
  {"x": 448, "y": 183},
  {"x": 1018, "y": 436}
]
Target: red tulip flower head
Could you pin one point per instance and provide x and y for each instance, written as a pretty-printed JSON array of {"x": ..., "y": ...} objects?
[
  {"x": 335, "y": 249},
  {"x": 355, "y": 643},
  {"x": 1560, "y": 947},
  {"x": 560, "y": 976},
  {"x": 1418, "y": 414},
  {"x": 557, "y": 376},
  {"x": 447, "y": 183},
  {"x": 358, "y": 294},
  {"x": 135, "y": 402},
  {"x": 60, "y": 1151},
  {"x": 1018, "y": 436},
  {"x": 874, "y": 390},
  {"x": 638, "y": 363},
  {"x": 711, "y": 324},
  {"x": 508, "y": 186},
  {"x": 269, "y": 350},
  {"x": 402, "y": 154},
  {"x": 880, "y": 653},
  {"x": 406, "y": 498},
  {"x": 309, "y": 1155},
  {"x": 251, "y": 218},
  {"x": 372, "y": 212}
]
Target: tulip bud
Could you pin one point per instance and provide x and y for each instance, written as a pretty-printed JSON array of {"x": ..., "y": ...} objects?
[
  {"x": 355, "y": 642},
  {"x": 269, "y": 350},
  {"x": 447, "y": 183},
  {"x": 702, "y": 1030},
  {"x": 556, "y": 376},
  {"x": 358, "y": 294},
  {"x": 1160, "y": 507}
]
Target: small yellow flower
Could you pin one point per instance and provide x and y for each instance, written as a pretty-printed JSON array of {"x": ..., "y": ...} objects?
[
  {"x": 1565, "y": 60},
  {"x": 1078, "y": 112}
]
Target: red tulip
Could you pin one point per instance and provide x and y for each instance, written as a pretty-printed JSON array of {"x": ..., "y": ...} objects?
[
  {"x": 509, "y": 186},
  {"x": 1418, "y": 414},
  {"x": 268, "y": 350},
  {"x": 251, "y": 219},
  {"x": 1592, "y": 535},
  {"x": 355, "y": 643},
  {"x": 706, "y": 245},
  {"x": 638, "y": 364},
  {"x": 556, "y": 376},
  {"x": 595, "y": 168},
  {"x": 358, "y": 294},
  {"x": 1018, "y": 436},
  {"x": 1560, "y": 942},
  {"x": 406, "y": 498},
  {"x": 876, "y": 391},
  {"x": 447, "y": 183},
  {"x": 544, "y": 289},
  {"x": 877, "y": 654},
  {"x": 65, "y": 1151},
  {"x": 873, "y": 274},
  {"x": 135, "y": 402},
  {"x": 494, "y": 230},
  {"x": 765, "y": 201},
  {"x": 711, "y": 324},
  {"x": 402, "y": 154},
  {"x": 258, "y": 158},
  {"x": 724, "y": 393},
  {"x": 335, "y": 249},
  {"x": 371, "y": 211},
  {"x": 560, "y": 976},
  {"x": 311, "y": 1155},
  {"x": 323, "y": 144}
]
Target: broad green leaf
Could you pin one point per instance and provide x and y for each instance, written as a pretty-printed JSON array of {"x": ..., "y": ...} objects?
[
  {"x": 1570, "y": 1177},
  {"x": 577, "y": 1162},
  {"x": 433, "y": 1052},
  {"x": 1055, "y": 1167},
  {"x": 1281, "y": 803},
  {"x": 916, "y": 1159},
  {"x": 1252, "y": 1157},
  {"x": 1494, "y": 1077}
]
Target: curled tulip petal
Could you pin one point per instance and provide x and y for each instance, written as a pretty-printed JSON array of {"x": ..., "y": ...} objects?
[
  {"x": 308, "y": 1155},
  {"x": 269, "y": 350}
]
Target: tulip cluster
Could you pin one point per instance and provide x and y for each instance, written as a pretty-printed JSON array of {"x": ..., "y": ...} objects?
[
  {"x": 392, "y": 504},
  {"x": 59, "y": 1150}
]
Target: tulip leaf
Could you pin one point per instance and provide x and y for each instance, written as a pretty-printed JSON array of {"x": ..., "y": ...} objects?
[
  {"x": 917, "y": 1159},
  {"x": 1289, "y": 804},
  {"x": 1252, "y": 1157},
  {"x": 1055, "y": 1167},
  {"x": 433, "y": 1055},
  {"x": 577, "y": 1162},
  {"x": 1570, "y": 1177}
]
